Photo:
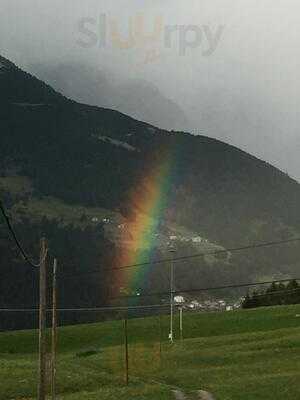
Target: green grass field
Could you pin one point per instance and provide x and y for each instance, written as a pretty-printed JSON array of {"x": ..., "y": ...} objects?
[{"x": 246, "y": 355}]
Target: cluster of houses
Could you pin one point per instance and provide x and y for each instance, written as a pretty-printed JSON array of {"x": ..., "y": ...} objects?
[
  {"x": 107, "y": 221},
  {"x": 207, "y": 305},
  {"x": 97, "y": 220},
  {"x": 172, "y": 237},
  {"x": 195, "y": 239}
]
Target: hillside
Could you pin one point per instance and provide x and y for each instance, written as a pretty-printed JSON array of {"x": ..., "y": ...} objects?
[
  {"x": 89, "y": 177},
  {"x": 243, "y": 354}
]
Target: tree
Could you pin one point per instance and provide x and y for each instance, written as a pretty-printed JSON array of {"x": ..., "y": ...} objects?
[{"x": 275, "y": 294}]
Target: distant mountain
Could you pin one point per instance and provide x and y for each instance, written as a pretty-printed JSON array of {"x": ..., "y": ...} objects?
[
  {"x": 88, "y": 177},
  {"x": 137, "y": 98}
]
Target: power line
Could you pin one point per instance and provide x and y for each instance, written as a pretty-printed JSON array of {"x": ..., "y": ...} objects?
[
  {"x": 91, "y": 309},
  {"x": 183, "y": 258},
  {"x": 125, "y": 308},
  {"x": 203, "y": 289},
  {"x": 252, "y": 284},
  {"x": 21, "y": 250},
  {"x": 153, "y": 262},
  {"x": 215, "y": 252},
  {"x": 111, "y": 308},
  {"x": 275, "y": 292},
  {"x": 207, "y": 289}
]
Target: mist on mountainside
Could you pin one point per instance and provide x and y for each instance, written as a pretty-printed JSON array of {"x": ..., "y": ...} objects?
[{"x": 137, "y": 98}]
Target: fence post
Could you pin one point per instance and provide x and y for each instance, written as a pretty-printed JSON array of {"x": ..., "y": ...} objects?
[{"x": 181, "y": 322}]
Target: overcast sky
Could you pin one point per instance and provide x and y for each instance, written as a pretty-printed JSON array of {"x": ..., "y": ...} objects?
[{"x": 231, "y": 65}]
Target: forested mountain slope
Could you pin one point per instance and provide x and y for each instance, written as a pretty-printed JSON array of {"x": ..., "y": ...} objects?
[{"x": 80, "y": 174}]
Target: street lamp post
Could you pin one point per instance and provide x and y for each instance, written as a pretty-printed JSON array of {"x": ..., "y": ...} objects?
[{"x": 171, "y": 335}]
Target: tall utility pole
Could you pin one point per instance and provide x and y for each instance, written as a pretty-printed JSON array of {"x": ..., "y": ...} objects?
[
  {"x": 42, "y": 321},
  {"x": 54, "y": 331},
  {"x": 171, "y": 335}
]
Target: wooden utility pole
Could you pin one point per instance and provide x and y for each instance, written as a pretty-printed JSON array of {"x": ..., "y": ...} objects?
[
  {"x": 126, "y": 353},
  {"x": 54, "y": 332},
  {"x": 42, "y": 321}
]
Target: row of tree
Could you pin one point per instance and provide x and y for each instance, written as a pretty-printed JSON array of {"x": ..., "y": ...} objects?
[{"x": 275, "y": 294}]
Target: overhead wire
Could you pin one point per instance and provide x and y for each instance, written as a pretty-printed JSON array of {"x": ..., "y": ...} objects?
[
  {"x": 183, "y": 258},
  {"x": 125, "y": 308},
  {"x": 17, "y": 242}
]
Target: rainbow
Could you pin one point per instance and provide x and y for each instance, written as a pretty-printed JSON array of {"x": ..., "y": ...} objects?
[{"x": 149, "y": 202}]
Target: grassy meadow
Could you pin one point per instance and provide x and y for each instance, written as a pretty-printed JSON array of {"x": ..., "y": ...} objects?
[{"x": 247, "y": 355}]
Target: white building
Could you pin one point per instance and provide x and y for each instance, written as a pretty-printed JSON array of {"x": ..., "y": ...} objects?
[
  {"x": 194, "y": 304},
  {"x": 197, "y": 239},
  {"x": 179, "y": 299}
]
